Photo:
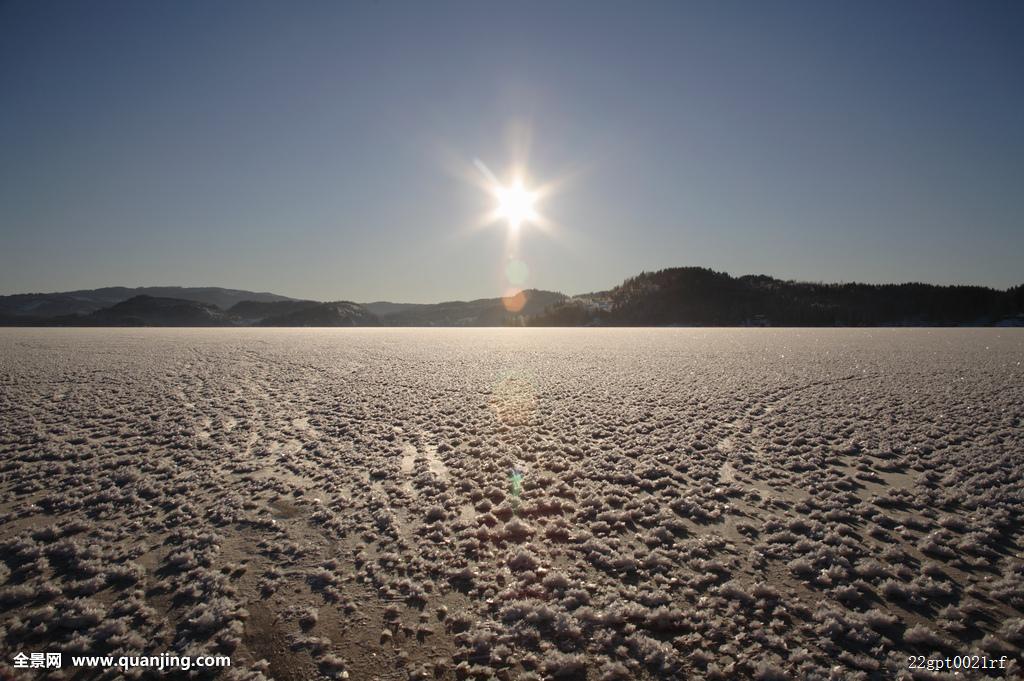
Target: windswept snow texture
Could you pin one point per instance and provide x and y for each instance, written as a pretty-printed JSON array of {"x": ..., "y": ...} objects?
[{"x": 765, "y": 504}]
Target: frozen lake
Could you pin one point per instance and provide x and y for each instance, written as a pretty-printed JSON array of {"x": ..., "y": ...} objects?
[{"x": 694, "y": 502}]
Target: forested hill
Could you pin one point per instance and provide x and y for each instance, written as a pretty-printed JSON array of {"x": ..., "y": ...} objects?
[{"x": 702, "y": 297}]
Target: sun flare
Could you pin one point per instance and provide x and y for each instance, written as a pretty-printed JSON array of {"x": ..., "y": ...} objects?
[{"x": 516, "y": 204}]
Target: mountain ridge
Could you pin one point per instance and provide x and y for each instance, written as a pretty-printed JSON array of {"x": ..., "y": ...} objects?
[
  {"x": 680, "y": 296},
  {"x": 85, "y": 301}
]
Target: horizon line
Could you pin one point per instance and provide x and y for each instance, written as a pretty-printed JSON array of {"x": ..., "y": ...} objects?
[{"x": 397, "y": 301}]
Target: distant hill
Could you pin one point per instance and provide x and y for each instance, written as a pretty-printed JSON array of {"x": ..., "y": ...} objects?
[
  {"x": 479, "y": 312},
  {"x": 697, "y": 296},
  {"x": 383, "y": 308},
  {"x": 339, "y": 313},
  {"x": 255, "y": 311},
  {"x": 39, "y": 306},
  {"x": 153, "y": 311},
  {"x": 156, "y": 311}
]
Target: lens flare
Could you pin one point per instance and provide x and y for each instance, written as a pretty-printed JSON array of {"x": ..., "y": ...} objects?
[
  {"x": 516, "y": 271},
  {"x": 514, "y": 399},
  {"x": 516, "y": 478},
  {"x": 514, "y": 301}
]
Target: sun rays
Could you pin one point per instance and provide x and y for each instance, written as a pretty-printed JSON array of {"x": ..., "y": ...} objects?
[{"x": 515, "y": 202}]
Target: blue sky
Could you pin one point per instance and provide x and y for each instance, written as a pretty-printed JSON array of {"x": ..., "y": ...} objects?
[{"x": 308, "y": 148}]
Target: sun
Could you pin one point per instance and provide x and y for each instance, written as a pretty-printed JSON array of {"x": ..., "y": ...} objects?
[
  {"x": 517, "y": 201},
  {"x": 516, "y": 204}
]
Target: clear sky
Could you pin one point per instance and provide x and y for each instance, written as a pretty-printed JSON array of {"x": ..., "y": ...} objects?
[{"x": 309, "y": 148}]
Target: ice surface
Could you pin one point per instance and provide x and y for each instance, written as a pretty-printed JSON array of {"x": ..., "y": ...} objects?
[{"x": 741, "y": 503}]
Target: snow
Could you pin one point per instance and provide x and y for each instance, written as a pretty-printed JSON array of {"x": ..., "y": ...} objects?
[{"x": 696, "y": 503}]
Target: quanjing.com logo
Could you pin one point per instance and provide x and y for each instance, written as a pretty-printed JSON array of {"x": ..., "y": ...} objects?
[
  {"x": 37, "y": 661},
  {"x": 125, "y": 662}
]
